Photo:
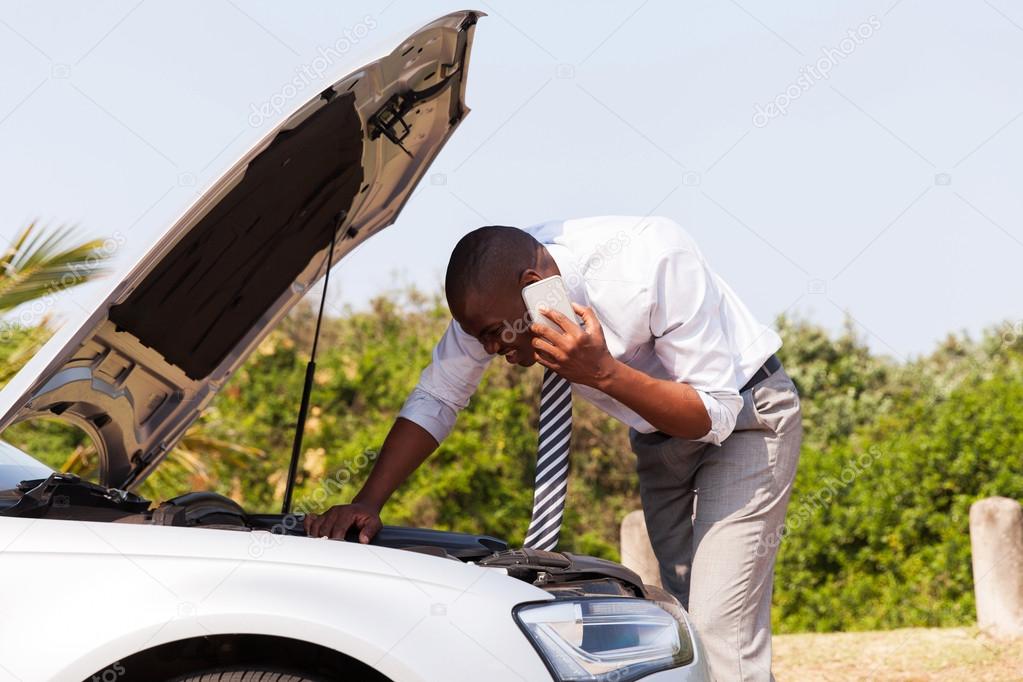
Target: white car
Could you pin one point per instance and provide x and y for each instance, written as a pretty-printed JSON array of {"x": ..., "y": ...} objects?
[{"x": 99, "y": 584}]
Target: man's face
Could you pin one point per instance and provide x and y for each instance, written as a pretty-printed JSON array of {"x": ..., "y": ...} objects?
[{"x": 499, "y": 322}]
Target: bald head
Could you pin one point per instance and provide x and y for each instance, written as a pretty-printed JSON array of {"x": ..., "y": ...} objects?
[{"x": 489, "y": 261}]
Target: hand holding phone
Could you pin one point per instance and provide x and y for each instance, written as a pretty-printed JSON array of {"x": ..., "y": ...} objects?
[
  {"x": 553, "y": 294},
  {"x": 578, "y": 354}
]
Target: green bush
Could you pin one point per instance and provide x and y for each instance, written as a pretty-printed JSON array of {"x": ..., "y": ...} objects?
[
  {"x": 878, "y": 527},
  {"x": 877, "y": 537}
]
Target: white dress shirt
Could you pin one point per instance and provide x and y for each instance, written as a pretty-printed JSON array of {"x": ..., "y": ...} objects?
[{"x": 663, "y": 310}]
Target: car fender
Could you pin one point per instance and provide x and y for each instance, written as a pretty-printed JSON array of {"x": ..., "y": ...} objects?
[{"x": 117, "y": 589}]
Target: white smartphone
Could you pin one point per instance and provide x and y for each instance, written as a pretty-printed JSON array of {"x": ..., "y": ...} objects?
[{"x": 550, "y": 292}]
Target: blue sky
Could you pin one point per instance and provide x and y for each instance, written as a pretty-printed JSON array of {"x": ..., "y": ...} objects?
[{"x": 884, "y": 183}]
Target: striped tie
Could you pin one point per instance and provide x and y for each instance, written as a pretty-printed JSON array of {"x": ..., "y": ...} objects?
[{"x": 551, "y": 462}]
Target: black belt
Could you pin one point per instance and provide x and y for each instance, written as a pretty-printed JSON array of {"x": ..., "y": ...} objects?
[{"x": 770, "y": 366}]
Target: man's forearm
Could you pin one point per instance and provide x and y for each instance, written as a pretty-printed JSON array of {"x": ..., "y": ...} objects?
[
  {"x": 406, "y": 447},
  {"x": 670, "y": 406},
  {"x": 580, "y": 355}
]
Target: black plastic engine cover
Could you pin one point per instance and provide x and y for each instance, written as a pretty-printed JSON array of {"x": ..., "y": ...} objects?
[
  {"x": 552, "y": 568},
  {"x": 464, "y": 546}
]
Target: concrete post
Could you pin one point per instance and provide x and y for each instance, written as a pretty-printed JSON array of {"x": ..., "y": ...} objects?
[
  {"x": 996, "y": 538},
  {"x": 637, "y": 553}
]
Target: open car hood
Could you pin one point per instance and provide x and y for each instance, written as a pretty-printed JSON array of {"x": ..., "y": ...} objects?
[{"x": 153, "y": 354}]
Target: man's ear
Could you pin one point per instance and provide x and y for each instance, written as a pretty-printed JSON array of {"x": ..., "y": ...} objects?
[{"x": 528, "y": 276}]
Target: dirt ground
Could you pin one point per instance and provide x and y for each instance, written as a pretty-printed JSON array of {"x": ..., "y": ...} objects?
[{"x": 910, "y": 655}]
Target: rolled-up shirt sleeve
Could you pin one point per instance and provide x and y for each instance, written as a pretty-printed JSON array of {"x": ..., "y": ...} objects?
[
  {"x": 447, "y": 383},
  {"x": 690, "y": 340}
]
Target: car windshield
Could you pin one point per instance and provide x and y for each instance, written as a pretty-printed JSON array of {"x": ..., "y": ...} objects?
[{"x": 16, "y": 466}]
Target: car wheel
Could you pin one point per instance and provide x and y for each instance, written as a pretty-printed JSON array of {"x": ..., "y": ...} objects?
[{"x": 244, "y": 675}]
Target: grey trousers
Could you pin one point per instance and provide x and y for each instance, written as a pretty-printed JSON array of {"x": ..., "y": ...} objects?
[{"x": 715, "y": 516}]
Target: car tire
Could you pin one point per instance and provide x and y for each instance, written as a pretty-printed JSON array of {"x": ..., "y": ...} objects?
[{"x": 244, "y": 675}]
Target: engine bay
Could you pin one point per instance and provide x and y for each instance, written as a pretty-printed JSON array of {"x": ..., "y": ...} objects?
[{"x": 565, "y": 575}]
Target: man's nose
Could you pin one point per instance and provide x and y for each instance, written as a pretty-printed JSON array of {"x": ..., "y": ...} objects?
[{"x": 491, "y": 346}]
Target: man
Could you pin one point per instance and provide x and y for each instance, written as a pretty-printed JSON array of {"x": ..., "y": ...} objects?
[{"x": 667, "y": 348}]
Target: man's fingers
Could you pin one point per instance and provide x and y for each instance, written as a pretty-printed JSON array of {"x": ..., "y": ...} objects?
[
  {"x": 318, "y": 525},
  {"x": 549, "y": 350},
  {"x": 338, "y": 525},
  {"x": 589, "y": 318},
  {"x": 543, "y": 331},
  {"x": 370, "y": 527},
  {"x": 312, "y": 524},
  {"x": 548, "y": 362},
  {"x": 568, "y": 326},
  {"x": 337, "y": 521},
  {"x": 326, "y": 522}
]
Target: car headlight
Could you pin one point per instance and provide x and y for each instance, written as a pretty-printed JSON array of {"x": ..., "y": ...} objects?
[{"x": 597, "y": 639}]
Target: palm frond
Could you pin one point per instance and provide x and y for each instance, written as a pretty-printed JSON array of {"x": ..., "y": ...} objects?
[
  {"x": 196, "y": 463},
  {"x": 45, "y": 261}
]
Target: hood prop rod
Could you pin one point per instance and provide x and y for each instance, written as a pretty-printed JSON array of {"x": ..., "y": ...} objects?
[{"x": 307, "y": 388}]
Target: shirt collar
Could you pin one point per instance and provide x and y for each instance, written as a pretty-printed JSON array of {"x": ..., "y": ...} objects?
[{"x": 570, "y": 272}]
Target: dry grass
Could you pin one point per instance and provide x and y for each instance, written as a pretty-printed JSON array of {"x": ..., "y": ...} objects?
[{"x": 909, "y": 655}]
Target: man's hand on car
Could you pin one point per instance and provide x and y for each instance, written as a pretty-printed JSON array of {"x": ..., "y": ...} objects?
[{"x": 336, "y": 522}]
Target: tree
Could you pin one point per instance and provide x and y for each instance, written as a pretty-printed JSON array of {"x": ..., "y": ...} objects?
[
  {"x": 42, "y": 262},
  {"x": 37, "y": 264}
]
